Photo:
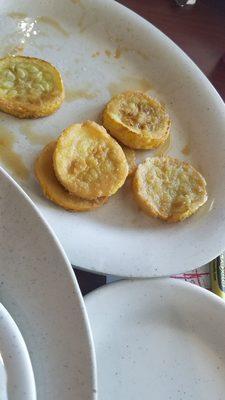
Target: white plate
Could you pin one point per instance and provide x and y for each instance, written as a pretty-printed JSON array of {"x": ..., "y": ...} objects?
[
  {"x": 118, "y": 238},
  {"x": 39, "y": 289},
  {"x": 16, "y": 373},
  {"x": 158, "y": 339}
]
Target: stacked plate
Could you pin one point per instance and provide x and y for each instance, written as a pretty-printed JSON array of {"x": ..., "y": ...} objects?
[
  {"x": 156, "y": 338},
  {"x": 39, "y": 290}
]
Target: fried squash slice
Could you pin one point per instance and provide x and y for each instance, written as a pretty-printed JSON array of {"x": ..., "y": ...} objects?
[
  {"x": 89, "y": 162},
  {"x": 29, "y": 87},
  {"x": 136, "y": 120},
  {"x": 167, "y": 188},
  {"x": 53, "y": 190}
]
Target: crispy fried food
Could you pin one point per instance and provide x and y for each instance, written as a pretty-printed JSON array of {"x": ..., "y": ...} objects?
[
  {"x": 89, "y": 162},
  {"x": 131, "y": 159},
  {"x": 136, "y": 120},
  {"x": 53, "y": 190},
  {"x": 168, "y": 188},
  {"x": 29, "y": 87}
]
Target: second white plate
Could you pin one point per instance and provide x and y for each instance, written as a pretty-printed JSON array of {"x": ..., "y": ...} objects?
[{"x": 158, "y": 339}]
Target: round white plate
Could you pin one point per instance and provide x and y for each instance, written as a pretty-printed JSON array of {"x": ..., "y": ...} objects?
[
  {"x": 39, "y": 289},
  {"x": 16, "y": 373},
  {"x": 101, "y": 47},
  {"x": 158, "y": 339}
]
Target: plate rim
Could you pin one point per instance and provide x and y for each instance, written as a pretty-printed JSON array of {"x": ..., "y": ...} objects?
[
  {"x": 21, "y": 354},
  {"x": 71, "y": 275},
  {"x": 170, "y": 41},
  {"x": 169, "y": 281}
]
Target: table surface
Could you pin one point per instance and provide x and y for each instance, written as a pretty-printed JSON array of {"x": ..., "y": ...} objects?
[{"x": 200, "y": 31}]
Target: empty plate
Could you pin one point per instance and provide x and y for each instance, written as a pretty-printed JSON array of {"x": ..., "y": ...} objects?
[{"x": 159, "y": 339}]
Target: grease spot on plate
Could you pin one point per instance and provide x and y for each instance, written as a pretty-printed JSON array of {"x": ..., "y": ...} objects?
[
  {"x": 33, "y": 136},
  {"x": 186, "y": 150},
  {"x": 77, "y": 94},
  {"x": 129, "y": 83},
  {"x": 8, "y": 156},
  {"x": 53, "y": 23}
]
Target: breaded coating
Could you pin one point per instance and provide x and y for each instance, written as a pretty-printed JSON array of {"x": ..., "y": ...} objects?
[
  {"x": 53, "y": 190},
  {"x": 29, "y": 87},
  {"x": 136, "y": 120},
  {"x": 168, "y": 188},
  {"x": 88, "y": 162}
]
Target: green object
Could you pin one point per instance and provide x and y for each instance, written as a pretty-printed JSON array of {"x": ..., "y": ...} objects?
[{"x": 217, "y": 273}]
